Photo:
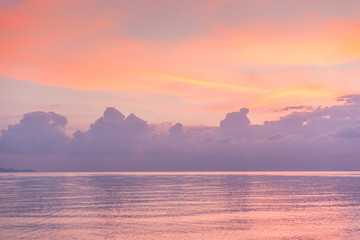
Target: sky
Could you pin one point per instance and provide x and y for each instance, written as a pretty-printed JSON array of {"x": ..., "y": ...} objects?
[{"x": 179, "y": 85}]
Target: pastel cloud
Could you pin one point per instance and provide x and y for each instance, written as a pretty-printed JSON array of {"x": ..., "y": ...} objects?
[
  {"x": 110, "y": 134},
  {"x": 236, "y": 124},
  {"x": 350, "y": 99},
  {"x": 297, "y": 108},
  {"x": 320, "y": 139},
  {"x": 348, "y": 132},
  {"x": 37, "y": 133}
]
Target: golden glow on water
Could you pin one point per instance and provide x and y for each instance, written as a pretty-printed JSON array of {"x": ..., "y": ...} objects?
[{"x": 180, "y": 205}]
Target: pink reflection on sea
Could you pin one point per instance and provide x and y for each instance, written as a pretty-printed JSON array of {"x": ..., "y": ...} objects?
[{"x": 230, "y": 205}]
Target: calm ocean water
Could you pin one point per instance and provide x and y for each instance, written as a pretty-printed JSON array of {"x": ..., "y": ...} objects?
[{"x": 241, "y": 205}]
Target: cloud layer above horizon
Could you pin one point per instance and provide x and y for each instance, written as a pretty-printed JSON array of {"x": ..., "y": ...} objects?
[{"x": 324, "y": 138}]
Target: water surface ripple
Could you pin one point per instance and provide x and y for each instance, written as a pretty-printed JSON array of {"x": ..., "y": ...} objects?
[{"x": 235, "y": 205}]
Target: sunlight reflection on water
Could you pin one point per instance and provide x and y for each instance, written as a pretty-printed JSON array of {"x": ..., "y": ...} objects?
[{"x": 235, "y": 205}]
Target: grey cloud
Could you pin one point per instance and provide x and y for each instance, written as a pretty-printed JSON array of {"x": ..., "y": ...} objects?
[
  {"x": 37, "y": 132},
  {"x": 302, "y": 107},
  {"x": 236, "y": 124},
  {"x": 322, "y": 139},
  {"x": 176, "y": 130},
  {"x": 350, "y": 99},
  {"x": 277, "y": 136},
  {"x": 314, "y": 123},
  {"x": 110, "y": 134},
  {"x": 348, "y": 132}
]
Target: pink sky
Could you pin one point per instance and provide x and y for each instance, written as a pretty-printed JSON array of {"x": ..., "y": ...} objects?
[
  {"x": 214, "y": 85},
  {"x": 178, "y": 61}
]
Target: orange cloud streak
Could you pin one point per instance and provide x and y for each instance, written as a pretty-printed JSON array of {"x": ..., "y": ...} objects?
[{"x": 55, "y": 43}]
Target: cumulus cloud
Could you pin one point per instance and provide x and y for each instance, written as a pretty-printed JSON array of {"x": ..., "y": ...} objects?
[
  {"x": 325, "y": 138},
  {"x": 37, "y": 132},
  {"x": 176, "y": 130},
  {"x": 110, "y": 134},
  {"x": 236, "y": 124}
]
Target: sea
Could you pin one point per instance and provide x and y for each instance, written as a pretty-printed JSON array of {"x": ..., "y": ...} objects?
[{"x": 180, "y": 205}]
